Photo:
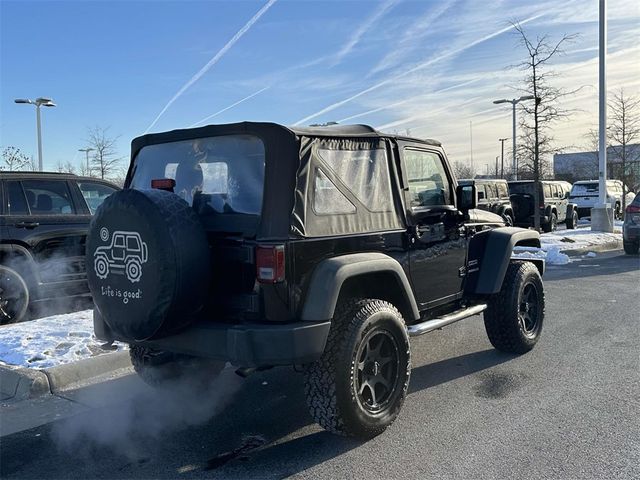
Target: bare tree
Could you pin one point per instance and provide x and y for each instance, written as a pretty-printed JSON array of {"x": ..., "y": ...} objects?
[
  {"x": 105, "y": 156},
  {"x": 14, "y": 159},
  {"x": 462, "y": 170},
  {"x": 66, "y": 167},
  {"x": 624, "y": 130},
  {"x": 539, "y": 116}
]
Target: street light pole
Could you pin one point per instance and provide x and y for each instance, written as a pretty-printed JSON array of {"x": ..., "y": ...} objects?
[
  {"x": 513, "y": 103},
  {"x": 502, "y": 140},
  {"x": 86, "y": 151},
  {"x": 38, "y": 102}
]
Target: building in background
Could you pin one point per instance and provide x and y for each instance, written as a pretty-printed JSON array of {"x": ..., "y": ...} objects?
[{"x": 584, "y": 165}]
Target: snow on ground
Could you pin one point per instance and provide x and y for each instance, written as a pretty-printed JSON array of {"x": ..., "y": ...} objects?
[
  {"x": 50, "y": 341},
  {"x": 553, "y": 244}
]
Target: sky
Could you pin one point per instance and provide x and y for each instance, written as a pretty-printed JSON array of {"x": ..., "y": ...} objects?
[{"x": 424, "y": 67}]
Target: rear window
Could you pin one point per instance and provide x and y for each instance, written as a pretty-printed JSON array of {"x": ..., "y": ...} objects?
[
  {"x": 585, "y": 189},
  {"x": 526, "y": 188},
  {"x": 215, "y": 175}
]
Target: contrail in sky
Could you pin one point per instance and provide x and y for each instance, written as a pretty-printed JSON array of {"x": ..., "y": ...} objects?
[
  {"x": 229, "y": 107},
  {"x": 402, "y": 102},
  {"x": 414, "y": 69},
  {"x": 357, "y": 35},
  {"x": 214, "y": 60}
]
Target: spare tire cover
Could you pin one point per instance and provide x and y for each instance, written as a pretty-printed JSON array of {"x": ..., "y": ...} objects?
[{"x": 147, "y": 263}]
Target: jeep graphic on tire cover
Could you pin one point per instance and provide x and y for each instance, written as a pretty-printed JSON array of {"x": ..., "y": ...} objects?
[{"x": 150, "y": 261}]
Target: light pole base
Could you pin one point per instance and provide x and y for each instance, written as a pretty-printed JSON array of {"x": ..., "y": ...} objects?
[{"x": 602, "y": 218}]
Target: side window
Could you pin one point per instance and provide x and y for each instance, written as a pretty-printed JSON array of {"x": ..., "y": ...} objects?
[
  {"x": 365, "y": 173},
  {"x": 491, "y": 192},
  {"x": 481, "y": 193},
  {"x": 49, "y": 197},
  {"x": 547, "y": 190},
  {"x": 94, "y": 194},
  {"x": 554, "y": 189},
  {"x": 327, "y": 199},
  {"x": 16, "y": 201},
  {"x": 502, "y": 190},
  {"x": 427, "y": 179}
]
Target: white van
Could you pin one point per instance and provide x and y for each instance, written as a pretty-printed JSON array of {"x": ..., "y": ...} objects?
[{"x": 585, "y": 194}]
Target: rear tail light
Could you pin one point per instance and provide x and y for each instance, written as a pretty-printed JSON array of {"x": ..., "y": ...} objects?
[
  {"x": 270, "y": 263},
  {"x": 166, "y": 184},
  {"x": 633, "y": 209}
]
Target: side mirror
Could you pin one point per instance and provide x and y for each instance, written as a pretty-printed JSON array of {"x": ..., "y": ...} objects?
[{"x": 466, "y": 197}]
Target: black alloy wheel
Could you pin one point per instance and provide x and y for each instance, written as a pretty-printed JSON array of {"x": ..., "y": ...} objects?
[
  {"x": 529, "y": 312},
  {"x": 14, "y": 297},
  {"x": 378, "y": 367}
]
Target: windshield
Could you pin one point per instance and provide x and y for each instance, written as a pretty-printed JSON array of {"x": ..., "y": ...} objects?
[
  {"x": 222, "y": 174},
  {"x": 585, "y": 189}
]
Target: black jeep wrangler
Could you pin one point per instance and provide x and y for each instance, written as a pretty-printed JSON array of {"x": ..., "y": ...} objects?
[
  {"x": 555, "y": 206},
  {"x": 324, "y": 248}
]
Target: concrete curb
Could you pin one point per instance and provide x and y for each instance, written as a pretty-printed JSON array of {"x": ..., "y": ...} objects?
[
  {"x": 600, "y": 247},
  {"x": 17, "y": 383}
]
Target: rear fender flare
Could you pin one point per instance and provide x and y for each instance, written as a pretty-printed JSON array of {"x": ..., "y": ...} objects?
[
  {"x": 329, "y": 276},
  {"x": 489, "y": 256}
]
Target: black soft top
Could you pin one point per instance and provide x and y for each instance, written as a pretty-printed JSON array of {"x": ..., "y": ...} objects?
[
  {"x": 290, "y": 164},
  {"x": 268, "y": 129}
]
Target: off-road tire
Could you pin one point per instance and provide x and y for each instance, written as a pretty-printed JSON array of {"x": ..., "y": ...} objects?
[
  {"x": 552, "y": 224},
  {"x": 14, "y": 297},
  {"x": 330, "y": 382},
  {"x": 572, "y": 220},
  {"x": 617, "y": 213},
  {"x": 157, "y": 368},
  {"x": 631, "y": 248},
  {"x": 508, "y": 219},
  {"x": 503, "y": 319}
]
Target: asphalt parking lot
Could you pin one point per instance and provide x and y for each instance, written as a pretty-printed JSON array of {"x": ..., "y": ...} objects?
[{"x": 568, "y": 409}]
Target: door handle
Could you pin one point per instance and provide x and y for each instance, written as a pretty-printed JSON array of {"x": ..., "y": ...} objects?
[{"x": 27, "y": 224}]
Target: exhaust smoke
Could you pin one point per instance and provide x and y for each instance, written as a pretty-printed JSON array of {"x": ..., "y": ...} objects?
[{"x": 145, "y": 414}]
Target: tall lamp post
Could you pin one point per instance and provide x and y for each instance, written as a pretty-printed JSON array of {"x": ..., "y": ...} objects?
[
  {"x": 38, "y": 102},
  {"x": 502, "y": 140},
  {"x": 86, "y": 151},
  {"x": 513, "y": 103}
]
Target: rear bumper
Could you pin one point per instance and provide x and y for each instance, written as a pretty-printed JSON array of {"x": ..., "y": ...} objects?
[
  {"x": 530, "y": 221},
  {"x": 245, "y": 345}
]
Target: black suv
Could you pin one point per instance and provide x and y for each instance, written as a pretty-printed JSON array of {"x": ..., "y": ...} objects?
[
  {"x": 325, "y": 248},
  {"x": 493, "y": 196},
  {"x": 43, "y": 225},
  {"x": 555, "y": 206}
]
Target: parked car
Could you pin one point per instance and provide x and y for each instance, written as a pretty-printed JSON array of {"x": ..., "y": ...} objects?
[
  {"x": 631, "y": 227},
  {"x": 324, "y": 248},
  {"x": 43, "y": 224},
  {"x": 555, "y": 206},
  {"x": 585, "y": 194},
  {"x": 493, "y": 196}
]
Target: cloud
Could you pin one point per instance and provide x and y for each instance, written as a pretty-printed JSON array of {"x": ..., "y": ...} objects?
[
  {"x": 416, "y": 68},
  {"x": 229, "y": 107},
  {"x": 364, "y": 27},
  {"x": 409, "y": 40},
  {"x": 214, "y": 60}
]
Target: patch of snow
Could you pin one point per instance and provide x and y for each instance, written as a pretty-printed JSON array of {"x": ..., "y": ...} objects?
[
  {"x": 591, "y": 255},
  {"x": 51, "y": 341}
]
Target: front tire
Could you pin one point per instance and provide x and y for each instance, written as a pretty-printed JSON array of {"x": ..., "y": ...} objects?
[
  {"x": 572, "y": 220},
  {"x": 14, "y": 297},
  {"x": 514, "y": 317},
  {"x": 358, "y": 386}
]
